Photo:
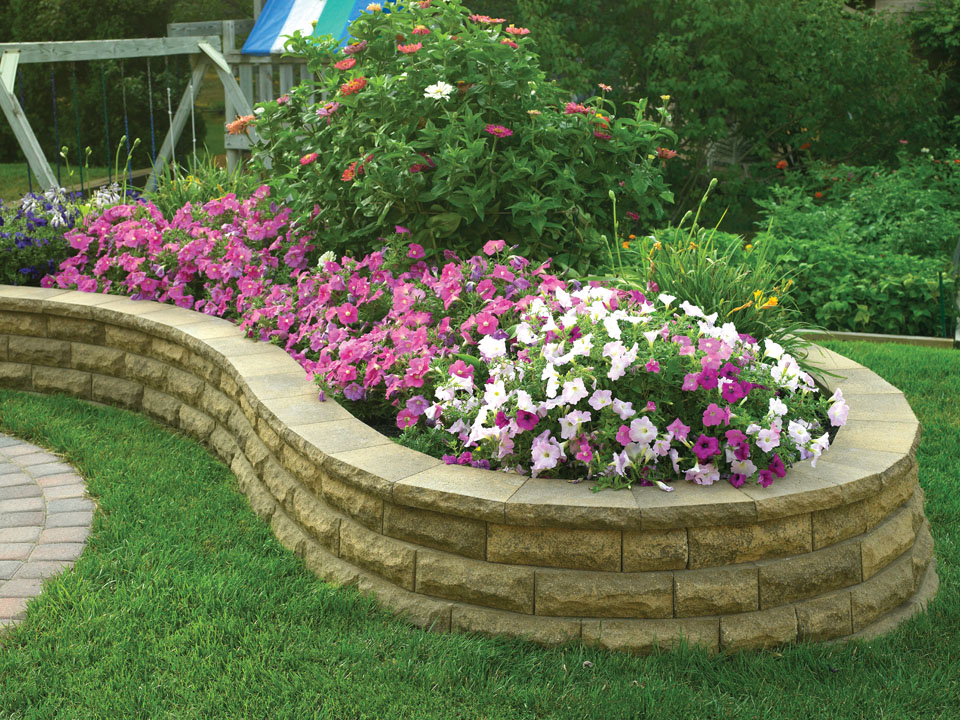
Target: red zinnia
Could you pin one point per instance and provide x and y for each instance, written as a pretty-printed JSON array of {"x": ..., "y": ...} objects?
[
  {"x": 354, "y": 86},
  {"x": 516, "y": 31},
  {"x": 409, "y": 49},
  {"x": 421, "y": 30},
  {"x": 818, "y": 194},
  {"x": 307, "y": 159},
  {"x": 346, "y": 63},
  {"x": 665, "y": 154},
  {"x": 782, "y": 165}
]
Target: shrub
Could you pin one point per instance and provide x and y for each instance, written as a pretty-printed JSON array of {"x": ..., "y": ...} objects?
[{"x": 441, "y": 122}]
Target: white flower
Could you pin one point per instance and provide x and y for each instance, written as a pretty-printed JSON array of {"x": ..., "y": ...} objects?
[
  {"x": 777, "y": 407},
  {"x": 438, "y": 91},
  {"x": 495, "y": 395},
  {"x": 666, "y": 299},
  {"x": 612, "y": 328},
  {"x": 525, "y": 334},
  {"x": 798, "y": 433},
  {"x": 328, "y": 256},
  {"x": 691, "y": 310},
  {"x": 771, "y": 349},
  {"x": 491, "y": 348}
]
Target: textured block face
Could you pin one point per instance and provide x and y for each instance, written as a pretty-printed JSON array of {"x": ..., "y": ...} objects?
[
  {"x": 39, "y": 351},
  {"x": 833, "y": 525},
  {"x": 655, "y": 550},
  {"x": 554, "y": 547},
  {"x": 729, "y": 544},
  {"x": 886, "y": 542},
  {"x": 353, "y": 502},
  {"x": 645, "y": 636},
  {"x": 127, "y": 340},
  {"x": 147, "y": 371},
  {"x": 320, "y": 521},
  {"x": 195, "y": 422},
  {"x": 824, "y": 618},
  {"x": 161, "y": 406},
  {"x": 390, "y": 559},
  {"x": 809, "y": 575},
  {"x": 715, "y": 591},
  {"x": 18, "y": 376},
  {"x": 598, "y": 594},
  {"x": 460, "y": 536},
  {"x": 883, "y": 592},
  {"x": 56, "y": 380},
  {"x": 17, "y": 323},
  {"x": 756, "y": 630},
  {"x": 98, "y": 359},
  {"x": 472, "y": 581},
  {"x": 183, "y": 385},
  {"x": 68, "y": 328},
  {"x": 115, "y": 391}
]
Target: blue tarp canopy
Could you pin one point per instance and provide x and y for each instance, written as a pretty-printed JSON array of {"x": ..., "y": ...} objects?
[{"x": 280, "y": 18}]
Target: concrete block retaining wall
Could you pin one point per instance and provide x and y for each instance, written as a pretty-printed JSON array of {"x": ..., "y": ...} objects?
[{"x": 839, "y": 550}]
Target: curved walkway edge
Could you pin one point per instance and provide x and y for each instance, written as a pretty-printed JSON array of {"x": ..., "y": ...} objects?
[{"x": 45, "y": 520}]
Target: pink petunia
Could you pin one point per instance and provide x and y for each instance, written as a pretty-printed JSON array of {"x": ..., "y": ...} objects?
[
  {"x": 415, "y": 251},
  {"x": 492, "y": 247}
]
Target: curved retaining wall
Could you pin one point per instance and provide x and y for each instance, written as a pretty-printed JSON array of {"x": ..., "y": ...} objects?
[{"x": 839, "y": 550}]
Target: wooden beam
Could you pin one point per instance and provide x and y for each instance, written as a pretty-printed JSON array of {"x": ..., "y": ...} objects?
[
  {"x": 208, "y": 27},
  {"x": 180, "y": 118},
  {"x": 8, "y": 69},
  {"x": 286, "y": 78},
  {"x": 230, "y": 88},
  {"x": 265, "y": 83},
  {"x": 24, "y": 134},
  {"x": 80, "y": 50}
]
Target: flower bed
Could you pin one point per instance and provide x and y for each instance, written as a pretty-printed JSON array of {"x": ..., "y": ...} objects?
[{"x": 837, "y": 550}]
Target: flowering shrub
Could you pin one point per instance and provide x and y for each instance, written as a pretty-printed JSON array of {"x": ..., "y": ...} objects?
[
  {"x": 31, "y": 235},
  {"x": 612, "y": 387},
  {"x": 441, "y": 121}
]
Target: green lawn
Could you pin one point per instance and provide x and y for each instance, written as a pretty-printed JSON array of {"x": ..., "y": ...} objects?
[{"x": 184, "y": 606}]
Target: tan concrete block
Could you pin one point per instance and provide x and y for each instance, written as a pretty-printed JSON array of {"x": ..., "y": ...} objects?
[
  {"x": 600, "y": 594},
  {"x": 643, "y": 637},
  {"x": 195, "y": 423},
  {"x": 229, "y": 387},
  {"x": 382, "y": 465},
  {"x": 3, "y": 346},
  {"x": 461, "y": 536},
  {"x": 423, "y": 612},
  {"x": 257, "y": 493},
  {"x": 810, "y": 574},
  {"x": 202, "y": 367},
  {"x": 353, "y": 502},
  {"x": 98, "y": 359},
  {"x": 654, "y": 550},
  {"x": 18, "y": 376},
  {"x": 161, "y": 406},
  {"x": 328, "y": 567},
  {"x": 256, "y": 452},
  {"x": 691, "y": 505},
  {"x": 922, "y": 552},
  {"x": 728, "y": 544},
  {"x": 301, "y": 467},
  {"x": 126, "y": 339},
  {"x": 167, "y": 352},
  {"x": 288, "y": 533},
  {"x": 281, "y": 483},
  {"x": 551, "y": 503},
  {"x": 802, "y": 491},
  {"x": 883, "y": 592},
  {"x": 20, "y": 323},
  {"x": 897, "y": 437},
  {"x": 465, "y": 491},
  {"x": 114, "y": 391},
  {"x": 897, "y": 489},
  {"x": 223, "y": 444},
  {"x": 391, "y": 559},
  {"x": 183, "y": 385},
  {"x": 474, "y": 581},
  {"x": 39, "y": 351},
  {"x": 216, "y": 404},
  {"x": 834, "y": 525},
  {"x": 269, "y": 436},
  {"x": 322, "y": 523},
  {"x": 58, "y": 380},
  {"x": 146, "y": 371},
  {"x": 554, "y": 547},
  {"x": 76, "y": 329},
  {"x": 824, "y": 618},
  {"x": 757, "y": 630},
  {"x": 887, "y": 541},
  {"x": 248, "y": 411},
  {"x": 334, "y": 436},
  {"x": 541, "y": 630},
  {"x": 715, "y": 591}
]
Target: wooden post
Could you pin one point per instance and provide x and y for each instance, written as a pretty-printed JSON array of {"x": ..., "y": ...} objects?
[
  {"x": 18, "y": 120},
  {"x": 265, "y": 83}
]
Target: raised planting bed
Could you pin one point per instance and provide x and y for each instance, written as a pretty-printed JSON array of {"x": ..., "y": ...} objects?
[{"x": 835, "y": 551}]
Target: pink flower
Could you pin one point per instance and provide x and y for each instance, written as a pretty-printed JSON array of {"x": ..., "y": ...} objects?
[
  {"x": 347, "y": 313},
  {"x": 665, "y": 154},
  {"x": 678, "y": 429},
  {"x": 405, "y": 419},
  {"x": 461, "y": 369},
  {"x": 605, "y": 88},
  {"x": 492, "y": 247},
  {"x": 526, "y": 420},
  {"x": 354, "y": 48},
  {"x": 283, "y": 100},
  {"x": 602, "y": 135},
  {"x": 415, "y": 251},
  {"x": 706, "y": 447},
  {"x": 409, "y": 49},
  {"x": 652, "y": 366},
  {"x": 486, "y": 323},
  {"x": 498, "y": 131},
  {"x": 635, "y": 217},
  {"x": 421, "y": 30},
  {"x": 516, "y": 30},
  {"x": 511, "y": 43},
  {"x": 713, "y": 415},
  {"x": 308, "y": 158},
  {"x": 346, "y": 63},
  {"x": 573, "y": 108},
  {"x": 400, "y": 229}
]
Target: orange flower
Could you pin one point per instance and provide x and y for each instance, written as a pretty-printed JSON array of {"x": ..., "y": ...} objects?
[
  {"x": 782, "y": 165},
  {"x": 354, "y": 86},
  {"x": 239, "y": 126},
  {"x": 805, "y": 146},
  {"x": 818, "y": 194},
  {"x": 771, "y": 302}
]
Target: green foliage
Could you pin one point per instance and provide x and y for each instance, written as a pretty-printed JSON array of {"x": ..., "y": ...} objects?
[
  {"x": 935, "y": 29},
  {"x": 205, "y": 180},
  {"x": 31, "y": 236},
  {"x": 775, "y": 74},
  {"x": 390, "y": 154}
]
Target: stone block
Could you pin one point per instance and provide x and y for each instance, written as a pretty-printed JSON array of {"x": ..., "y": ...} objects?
[
  {"x": 114, "y": 391},
  {"x": 161, "y": 406},
  {"x": 229, "y": 387},
  {"x": 269, "y": 436},
  {"x": 547, "y": 502},
  {"x": 839, "y": 523},
  {"x": 126, "y": 339},
  {"x": 423, "y": 612},
  {"x": 655, "y": 550},
  {"x": 391, "y": 559},
  {"x": 541, "y": 630},
  {"x": 261, "y": 501},
  {"x": 147, "y": 371},
  {"x": 922, "y": 552},
  {"x": 288, "y": 533},
  {"x": 57, "y": 380},
  {"x": 216, "y": 404},
  {"x": 883, "y": 592},
  {"x": 202, "y": 367},
  {"x": 223, "y": 444},
  {"x": 728, "y": 544},
  {"x": 897, "y": 489},
  {"x": 603, "y": 594},
  {"x": 554, "y": 547},
  {"x": 474, "y": 581},
  {"x": 353, "y": 502},
  {"x": 716, "y": 591},
  {"x": 98, "y": 359},
  {"x": 805, "y": 576},
  {"x": 168, "y": 352},
  {"x": 18, "y": 323},
  {"x": 183, "y": 385},
  {"x": 18, "y": 376},
  {"x": 457, "y": 535},
  {"x": 76, "y": 329},
  {"x": 256, "y": 452},
  {"x": 322, "y": 523},
  {"x": 4, "y": 340},
  {"x": 328, "y": 567},
  {"x": 302, "y": 468},
  {"x": 691, "y": 505},
  {"x": 887, "y": 541},
  {"x": 39, "y": 351},
  {"x": 457, "y": 490},
  {"x": 281, "y": 483},
  {"x": 758, "y": 630},
  {"x": 645, "y": 636},
  {"x": 195, "y": 423},
  {"x": 824, "y": 618}
]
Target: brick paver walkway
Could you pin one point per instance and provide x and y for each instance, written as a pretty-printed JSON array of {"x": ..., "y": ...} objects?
[{"x": 44, "y": 522}]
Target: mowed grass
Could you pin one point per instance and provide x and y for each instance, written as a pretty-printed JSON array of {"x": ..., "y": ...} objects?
[{"x": 184, "y": 606}]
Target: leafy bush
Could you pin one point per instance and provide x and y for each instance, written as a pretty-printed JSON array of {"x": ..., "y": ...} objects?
[
  {"x": 441, "y": 122},
  {"x": 204, "y": 181}
]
